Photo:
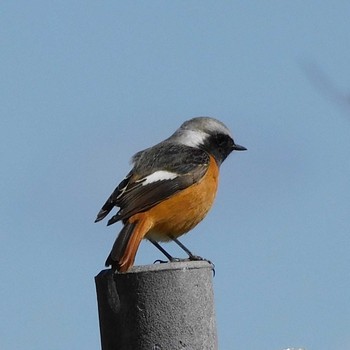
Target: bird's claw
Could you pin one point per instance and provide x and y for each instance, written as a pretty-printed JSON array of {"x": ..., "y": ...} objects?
[
  {"x": 160, "y": 261},
  {"x": 199, "y": 258},
  {"x": 191, "y": 258},
  {"x": 166, "y": 261}
]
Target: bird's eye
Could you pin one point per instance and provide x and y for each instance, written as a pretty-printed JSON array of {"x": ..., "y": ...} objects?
[{"x": 222, "y": 140}]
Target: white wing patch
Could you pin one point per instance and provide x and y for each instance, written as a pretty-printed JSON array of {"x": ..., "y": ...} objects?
[{"x": 159, "y": 175}]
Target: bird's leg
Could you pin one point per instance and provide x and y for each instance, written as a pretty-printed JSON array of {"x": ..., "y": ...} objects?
[
  {"x": 185, "y": 249},
  {"x": 169, "y": 257},
  {"x": 190, "y": 254}
]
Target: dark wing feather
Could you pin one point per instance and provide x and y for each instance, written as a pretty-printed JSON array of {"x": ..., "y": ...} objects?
[
  {"x": 132, "y": 196},
  {"x": 110, "y": 203}
]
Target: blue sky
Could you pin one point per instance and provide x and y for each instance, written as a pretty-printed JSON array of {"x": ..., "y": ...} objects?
[{"x": 86, "y": 84}]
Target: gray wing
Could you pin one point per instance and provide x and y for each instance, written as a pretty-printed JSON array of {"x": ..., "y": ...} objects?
[{"x": 136, "y": 193}]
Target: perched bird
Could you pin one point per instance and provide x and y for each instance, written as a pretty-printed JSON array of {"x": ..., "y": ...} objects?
[{"x": 169, "y": 190}]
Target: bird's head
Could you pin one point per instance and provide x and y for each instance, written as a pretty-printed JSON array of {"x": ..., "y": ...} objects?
[{"x": 208, "y": 134}]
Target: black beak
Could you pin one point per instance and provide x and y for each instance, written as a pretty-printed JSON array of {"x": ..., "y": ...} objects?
[{"x": 238, "y": 148}]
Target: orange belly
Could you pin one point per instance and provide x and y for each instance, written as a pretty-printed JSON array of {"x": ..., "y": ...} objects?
[{"x": 183, "y": 211}]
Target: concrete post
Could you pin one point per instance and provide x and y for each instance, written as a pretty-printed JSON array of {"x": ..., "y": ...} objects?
[{"x": 157, "y": 307}]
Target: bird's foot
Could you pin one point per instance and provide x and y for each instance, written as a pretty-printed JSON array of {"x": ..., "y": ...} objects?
[
  {"x": 190, "y": 258},
  {"x": 172, "y": 259},
  {"x": 199, "y": 258}
]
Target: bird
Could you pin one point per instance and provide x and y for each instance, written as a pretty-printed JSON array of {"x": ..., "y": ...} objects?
[{"x": 169, "y": 190}]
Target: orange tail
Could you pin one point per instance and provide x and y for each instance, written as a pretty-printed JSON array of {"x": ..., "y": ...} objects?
[{"x": 125, "y": 247}]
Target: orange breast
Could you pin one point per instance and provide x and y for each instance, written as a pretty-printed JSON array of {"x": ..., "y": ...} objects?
[{"x": 183, "y": 211}]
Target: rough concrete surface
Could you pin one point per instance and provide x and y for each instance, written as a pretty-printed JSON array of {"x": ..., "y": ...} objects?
[{"x": 158, "y": 307}]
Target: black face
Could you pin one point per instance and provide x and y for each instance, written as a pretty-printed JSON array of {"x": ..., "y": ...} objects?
[{"x": 220, "y": 146}]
